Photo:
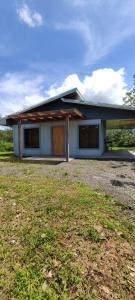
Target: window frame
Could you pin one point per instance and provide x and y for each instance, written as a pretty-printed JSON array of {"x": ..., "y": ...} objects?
[
  {"x": 89, "y": 148},
  {"x": 31, "y": 128}
]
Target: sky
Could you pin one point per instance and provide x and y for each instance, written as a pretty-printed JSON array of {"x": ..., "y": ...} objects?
[{"x": 49, "y": 46}]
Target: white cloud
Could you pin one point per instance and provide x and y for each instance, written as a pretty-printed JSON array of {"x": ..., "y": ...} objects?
[
  {"x": 101, "y": 24},
  {"x": 104, "y": 85},
  {"x": 29, "y": 17},
  {"x": 20, "y": 90}
]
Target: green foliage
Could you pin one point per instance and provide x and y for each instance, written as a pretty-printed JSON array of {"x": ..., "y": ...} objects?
[
  {"x": 120, "y": 138},
  {"x": 6, "y": 135},
  {"x": 5, "y": 146},
  {"x": 130, "y": 96},
  {"x": 6, "y": 140}
]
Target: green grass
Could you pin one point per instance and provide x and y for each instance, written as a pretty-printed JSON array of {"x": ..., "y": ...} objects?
[
  {"x": 124, "y": 148},
  {"x": 8, "y": 157},
  {"x": 59, "y": 241},
  {"x": 3, "y": 153}
]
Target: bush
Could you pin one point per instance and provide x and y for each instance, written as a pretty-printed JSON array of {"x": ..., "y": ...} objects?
[
  {"x": 6, "y": 146},
  {"x": 6, "y": 135},
  {"x": 6, "y": 140},
  {"x": 120, "y": 138}
]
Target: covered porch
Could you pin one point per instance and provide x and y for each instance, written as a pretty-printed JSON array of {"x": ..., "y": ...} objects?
[
  {"x": 123, "y": 153},
  {"x": 62, "y": 147},
  {"x": 120, "y": 124}
]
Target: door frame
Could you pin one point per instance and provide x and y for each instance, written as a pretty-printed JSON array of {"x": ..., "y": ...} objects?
[{"x": 57, "y": 126}]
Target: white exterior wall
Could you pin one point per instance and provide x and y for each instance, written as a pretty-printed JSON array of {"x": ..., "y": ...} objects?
[{"x": 46, "y": 138}]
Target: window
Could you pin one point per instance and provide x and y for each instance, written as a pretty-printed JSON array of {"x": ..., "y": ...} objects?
[
  {"x": 89, "y": 136},
  {"x": 31, "y": 138}
]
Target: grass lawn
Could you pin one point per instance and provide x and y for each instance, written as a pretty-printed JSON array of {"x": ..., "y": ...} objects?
[
  {"x": 124, "y": 148},
  {"x": 60, "y": 240},
  {"x": 2, "y": 153},
  {"x": 8, "y": 157}
]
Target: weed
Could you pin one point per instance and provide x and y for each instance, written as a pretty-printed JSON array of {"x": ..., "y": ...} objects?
[
  {"x": 91, "y": 234},
  {"x": 109, "y": 224},
  {"x": 49, "y": 234}
]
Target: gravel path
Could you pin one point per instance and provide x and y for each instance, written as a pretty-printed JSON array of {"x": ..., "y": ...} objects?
[{"x": 112, "y": 177}]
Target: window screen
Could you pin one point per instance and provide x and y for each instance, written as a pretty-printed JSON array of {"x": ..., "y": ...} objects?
[
  {"x": 89, "y": 136},
  {"x": 31, "y": 138}
]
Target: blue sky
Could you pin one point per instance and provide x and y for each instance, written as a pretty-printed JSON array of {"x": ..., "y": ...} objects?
[{"x": 48, "y": 46}]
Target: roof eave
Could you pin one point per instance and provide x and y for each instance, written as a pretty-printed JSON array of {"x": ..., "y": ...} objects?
[{"x": 132, "y": 108}]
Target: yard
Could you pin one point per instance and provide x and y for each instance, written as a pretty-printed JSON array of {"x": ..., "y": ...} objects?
[{"x": 63, "y": 235}]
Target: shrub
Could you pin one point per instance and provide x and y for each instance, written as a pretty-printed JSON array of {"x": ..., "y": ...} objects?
[
  {"x": 6, "y": 146},
  {"x": 120, "y": 138},
  {"x": 6, "y": 140}
]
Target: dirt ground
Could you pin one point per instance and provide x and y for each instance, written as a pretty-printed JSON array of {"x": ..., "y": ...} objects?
[{"x": 116, "y": 178}]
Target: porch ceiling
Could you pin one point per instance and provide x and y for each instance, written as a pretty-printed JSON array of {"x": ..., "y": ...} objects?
[
  {"x": 54, "y": 115},
  {"x": 120, "y": 124}
]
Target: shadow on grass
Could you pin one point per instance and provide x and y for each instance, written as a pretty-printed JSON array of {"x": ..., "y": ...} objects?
[{"x": 13, "y": 159}]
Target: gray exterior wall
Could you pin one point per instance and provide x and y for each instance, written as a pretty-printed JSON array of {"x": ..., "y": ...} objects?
[{"x": 46, "y": 139}]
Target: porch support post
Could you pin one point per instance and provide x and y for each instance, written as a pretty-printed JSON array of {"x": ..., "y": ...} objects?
[
  {"x": 67, "y": 138},
  {"x": 19, "y": 140}
]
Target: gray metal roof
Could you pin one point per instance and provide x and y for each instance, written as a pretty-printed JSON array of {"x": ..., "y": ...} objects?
[
  {"x": 80, "y": 100},
  {"x": 59, "y": 96},
  {"x": 90, "y": 103}
]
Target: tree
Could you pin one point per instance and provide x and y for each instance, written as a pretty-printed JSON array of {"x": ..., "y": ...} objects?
[{"x": 130, "y": 96}]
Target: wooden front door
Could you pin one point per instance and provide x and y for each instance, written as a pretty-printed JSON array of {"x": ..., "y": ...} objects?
[{"x": 58, "y": 140}]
